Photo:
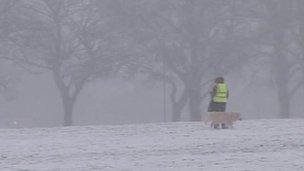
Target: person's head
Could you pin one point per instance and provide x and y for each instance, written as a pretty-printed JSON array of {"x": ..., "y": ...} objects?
[{"x": 219, "y": 80}]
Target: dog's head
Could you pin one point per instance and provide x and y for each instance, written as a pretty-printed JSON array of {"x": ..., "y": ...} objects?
[{"x": 236, "y": 116}]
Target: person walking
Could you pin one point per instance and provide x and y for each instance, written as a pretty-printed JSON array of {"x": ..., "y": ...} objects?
[{"x": 219, "y": 97}]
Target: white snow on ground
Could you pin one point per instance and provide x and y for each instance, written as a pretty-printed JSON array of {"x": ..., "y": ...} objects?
[{"x": 250, "y": 145}]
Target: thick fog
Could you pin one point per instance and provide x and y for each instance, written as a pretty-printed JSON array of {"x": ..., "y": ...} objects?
[{"x": 83, "y": 62}]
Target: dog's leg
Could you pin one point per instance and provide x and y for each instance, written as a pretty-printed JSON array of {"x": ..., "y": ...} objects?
[
  {"x": 216, "y": 125},
  {"x": 224, "y": 126},
  {"x": 230, "y": 125}
]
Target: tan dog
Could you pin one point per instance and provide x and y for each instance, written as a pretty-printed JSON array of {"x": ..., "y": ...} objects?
[{"x": 227, "y": 118}]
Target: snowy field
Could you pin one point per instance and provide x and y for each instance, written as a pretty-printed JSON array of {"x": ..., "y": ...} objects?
[{"x": 251, "y": 145}]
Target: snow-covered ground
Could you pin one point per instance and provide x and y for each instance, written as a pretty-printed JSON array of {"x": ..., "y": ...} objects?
[{"x": 251, "y": 145}]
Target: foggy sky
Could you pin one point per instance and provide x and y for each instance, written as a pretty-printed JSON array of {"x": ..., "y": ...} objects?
[{"x": 256, "y": 46}]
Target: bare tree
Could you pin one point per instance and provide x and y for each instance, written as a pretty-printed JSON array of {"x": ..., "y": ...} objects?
[
  {"x": 6, "y": 16},
  {"x": 194, "y": 40},
  {"x": 298, "y": 53},
  {"x": 67, "y": 39},
  {"x": 279, "y": 23}
]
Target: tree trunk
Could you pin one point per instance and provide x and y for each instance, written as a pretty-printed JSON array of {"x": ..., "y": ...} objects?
[
  {"x": 194, "y": 95},
  {"x": 177, "y": 107},
  {"x": 282, "y": 83},
  {"x": 194, "y": 105},
  {"x": 68, "y": 106},
  {"x": 282, "y": 76},
  {"x": 68, "y": 98},
  {"x": 279, "y": 16},
  {"x": 178, "y": 104},
  {"x": 284, "y": 103},
  {"x": 176, "y": 112}
]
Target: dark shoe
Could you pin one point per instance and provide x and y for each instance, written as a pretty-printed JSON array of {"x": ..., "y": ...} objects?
[
  {"x": 216, "y": 126},
  {"x": 224, "y": 126}
]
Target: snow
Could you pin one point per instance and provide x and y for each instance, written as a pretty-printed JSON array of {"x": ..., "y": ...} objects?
[{"x": 250, "y": 145}]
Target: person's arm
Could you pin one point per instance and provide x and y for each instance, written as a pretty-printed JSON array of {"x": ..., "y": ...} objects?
[{"x": 213, "y": 92}]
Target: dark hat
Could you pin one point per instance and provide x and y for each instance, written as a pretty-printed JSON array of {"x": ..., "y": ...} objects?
[{"x": 219, "y": 80}]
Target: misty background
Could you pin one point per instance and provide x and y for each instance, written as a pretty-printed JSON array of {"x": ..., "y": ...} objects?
[{"x": 81, "y": 62}]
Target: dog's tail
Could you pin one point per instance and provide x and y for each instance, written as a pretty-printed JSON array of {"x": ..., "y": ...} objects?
[{"x": 206, "y": 119}]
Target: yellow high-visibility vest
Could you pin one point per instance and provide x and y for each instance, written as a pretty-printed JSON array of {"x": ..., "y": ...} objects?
[{"x": 221, "y": 94}]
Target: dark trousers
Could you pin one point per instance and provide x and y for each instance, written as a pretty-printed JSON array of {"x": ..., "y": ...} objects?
[{"x": 217, "y": 106}]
